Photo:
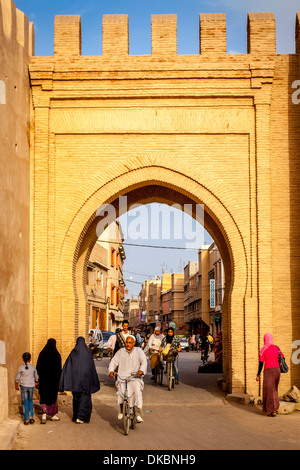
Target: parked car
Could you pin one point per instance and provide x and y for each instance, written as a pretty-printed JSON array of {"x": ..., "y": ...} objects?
[
  {"x": 106, "y": 335},
  {"x": 184, "y": 343}
]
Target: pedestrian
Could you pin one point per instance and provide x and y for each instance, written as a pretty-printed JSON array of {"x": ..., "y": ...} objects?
[
  {"x": 145, "y": 345},
  {"x": 118, "y": 340},
  {"x": 138, "y": 338},
  {"x": 26, "y": 379},
  {"x": 218, "y": 348},
  {"x": 268, "y": 357},
  {"x": 154, "y": 345},
  {"x": 49, "y": 370},
  {"x": 193, "y": 342},
  {"x": 211, "y": 341},
  {"x": 79, "y": 376}
]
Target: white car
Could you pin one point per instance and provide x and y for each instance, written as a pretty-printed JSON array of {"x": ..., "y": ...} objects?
[{"x": 184, "y": 343}]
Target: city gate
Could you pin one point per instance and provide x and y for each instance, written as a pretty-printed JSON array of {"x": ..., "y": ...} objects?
[{"x": 215, "y": 129}]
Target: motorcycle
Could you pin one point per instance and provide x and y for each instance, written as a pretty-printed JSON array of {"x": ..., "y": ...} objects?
[{"x": 204, "y": 356}]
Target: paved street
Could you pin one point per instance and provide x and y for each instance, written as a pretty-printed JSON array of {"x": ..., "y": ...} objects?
[{"x": 193, "y": 416}]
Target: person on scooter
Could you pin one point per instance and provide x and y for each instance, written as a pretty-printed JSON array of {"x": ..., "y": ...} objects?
[{"x": 93, "y": 342}]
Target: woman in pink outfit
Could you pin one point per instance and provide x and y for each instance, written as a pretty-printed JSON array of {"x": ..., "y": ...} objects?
[{"x": 268, "y": 356}]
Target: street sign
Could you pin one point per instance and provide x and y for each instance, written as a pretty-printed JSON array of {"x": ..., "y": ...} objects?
[{"x": 212, "y": 293}]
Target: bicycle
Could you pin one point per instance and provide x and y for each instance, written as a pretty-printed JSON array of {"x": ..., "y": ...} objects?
[
  {"x": 158, "y": 370},
  {"x": 129, "y": 417},
  {"x": 97, "y": 352},
  {"x": 170, "y": 358}
]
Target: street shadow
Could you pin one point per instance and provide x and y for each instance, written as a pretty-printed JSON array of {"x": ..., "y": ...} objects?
[{"x": 110, "y": 415}]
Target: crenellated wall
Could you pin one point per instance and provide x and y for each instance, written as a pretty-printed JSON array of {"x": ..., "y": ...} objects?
[
  {"x": 16, "y": 49},
  {"x": 215, "y": 128}
]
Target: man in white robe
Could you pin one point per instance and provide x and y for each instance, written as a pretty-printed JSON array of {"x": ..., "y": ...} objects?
[{"x": 130, "y": 360}]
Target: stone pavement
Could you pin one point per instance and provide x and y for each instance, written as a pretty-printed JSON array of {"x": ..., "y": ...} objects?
[{"x": 8, "y": 433}]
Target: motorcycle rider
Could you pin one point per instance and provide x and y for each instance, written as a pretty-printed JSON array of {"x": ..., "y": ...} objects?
[{"x": 204, "y": 347}]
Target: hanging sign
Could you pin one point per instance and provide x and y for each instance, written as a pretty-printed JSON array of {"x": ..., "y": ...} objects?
[{"x": 212, "y": 293}]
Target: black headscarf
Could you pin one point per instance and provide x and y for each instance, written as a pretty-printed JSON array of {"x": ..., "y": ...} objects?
[
  {"x": 79, "y": 371},
  {"x": 170, "y": 338},
  {"x": 49, "y": 370}
]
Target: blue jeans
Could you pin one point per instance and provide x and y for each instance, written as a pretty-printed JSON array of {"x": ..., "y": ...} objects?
[
  {"x": 27, "y": 400},
  {"x": 176, "y": 372}
]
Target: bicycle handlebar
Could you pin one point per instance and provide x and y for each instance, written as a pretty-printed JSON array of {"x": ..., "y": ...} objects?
[{"x": 132, "y": 376}]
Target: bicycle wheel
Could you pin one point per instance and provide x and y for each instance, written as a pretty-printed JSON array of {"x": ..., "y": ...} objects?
[
  {"x": 155, "y": 374},
  {"x": 169, "y": 375},
  {"x": 99, "y": 356},
  {"x": 132, "y": 418},
  {"x": 161, "y": 374},
  {"x": 126, "y": 418},
  {"x": 172, "y": 374}
]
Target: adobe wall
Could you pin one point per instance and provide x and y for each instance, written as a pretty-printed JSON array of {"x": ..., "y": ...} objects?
[{"x": 16, "y": 49}]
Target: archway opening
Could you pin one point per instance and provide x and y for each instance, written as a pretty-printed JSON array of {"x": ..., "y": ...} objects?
[{"x": 142, "y": 194}]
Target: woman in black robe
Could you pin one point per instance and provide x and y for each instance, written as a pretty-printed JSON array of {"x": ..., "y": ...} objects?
[
  {"x": 80, "y": 377},
  {"x": 49, "y": 371}
]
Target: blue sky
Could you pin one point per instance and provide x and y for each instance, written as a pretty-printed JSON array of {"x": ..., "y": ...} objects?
[
  {"x": 42, "y": 13},
  {"x": 142, "y": 262}
]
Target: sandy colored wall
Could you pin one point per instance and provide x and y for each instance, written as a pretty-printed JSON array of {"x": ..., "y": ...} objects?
[{"x": 16, "y": 48}]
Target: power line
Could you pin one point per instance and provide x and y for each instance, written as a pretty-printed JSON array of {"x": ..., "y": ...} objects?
[
  {"x": 135, "y": 282},
  {"x": 139, "y": 274},
  {"x": 150, "y": 246}
]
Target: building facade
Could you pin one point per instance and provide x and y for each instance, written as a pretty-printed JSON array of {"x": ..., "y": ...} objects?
[
  {"x": 96, "y": 287},
  {"x": 131, "y": 312},
  {"x": 172, "y": 301},
  {"x": 217, "y": 285},
  {"x": 105, "y": 282},
  {"x": 204, "y": 285}
]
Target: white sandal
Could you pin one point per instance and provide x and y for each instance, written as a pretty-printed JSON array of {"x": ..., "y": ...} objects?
[{"x": 55, "y": 418}]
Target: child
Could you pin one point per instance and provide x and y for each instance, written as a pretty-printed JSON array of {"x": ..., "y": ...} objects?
[{"x": 27, "y": 378}]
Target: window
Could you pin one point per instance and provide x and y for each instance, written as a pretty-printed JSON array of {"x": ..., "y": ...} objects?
[
  {"x": 112, "y": 257},
  {"x": 112, "y": 295}
]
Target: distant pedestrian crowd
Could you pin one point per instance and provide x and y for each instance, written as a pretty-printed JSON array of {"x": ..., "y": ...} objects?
[{"x": 79, "y": 374}]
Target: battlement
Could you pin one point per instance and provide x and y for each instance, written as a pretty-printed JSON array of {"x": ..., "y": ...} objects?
[
  {"x": 16, "y": 27},
  {"x": 261, "y": 35}
]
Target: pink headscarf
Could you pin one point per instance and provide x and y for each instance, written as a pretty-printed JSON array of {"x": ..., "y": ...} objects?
[{"x": 268, "y": 340}]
